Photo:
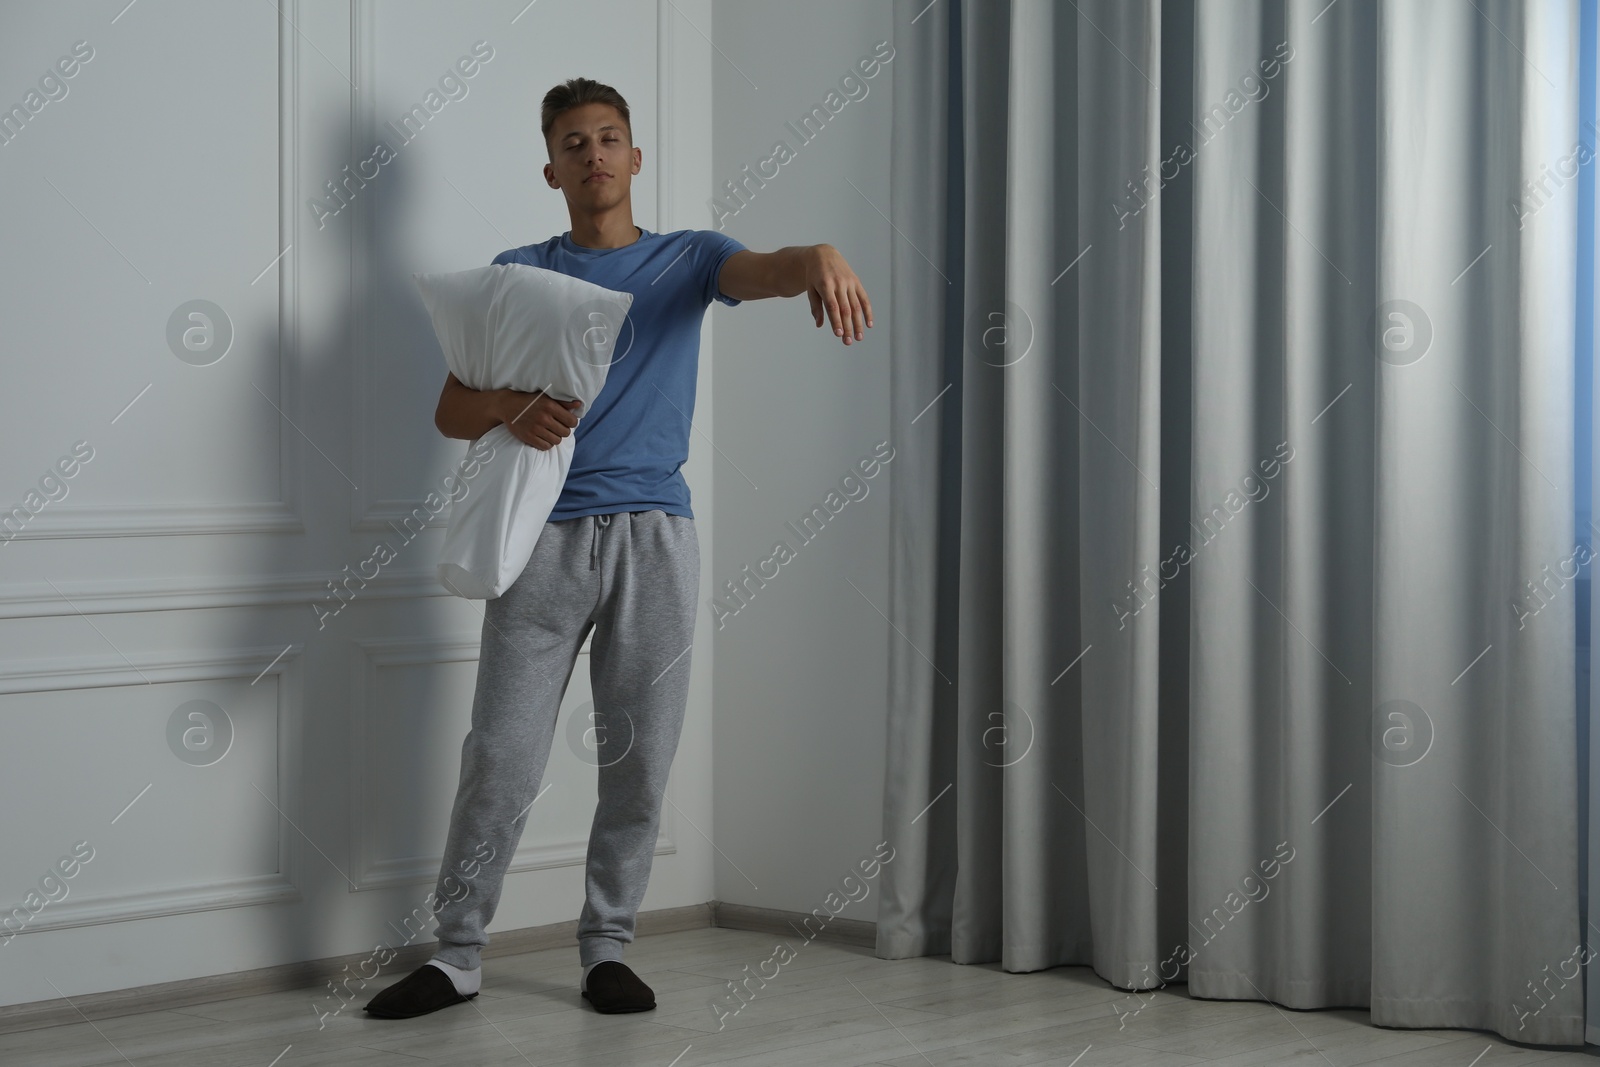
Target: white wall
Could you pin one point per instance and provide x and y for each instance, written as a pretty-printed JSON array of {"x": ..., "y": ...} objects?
[
  {"x": 185, "y": 559},
  {"x": 801, "y": 677}
]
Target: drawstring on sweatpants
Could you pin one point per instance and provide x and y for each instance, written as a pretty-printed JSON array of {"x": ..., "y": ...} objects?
[{"x": 594, "y": 542}]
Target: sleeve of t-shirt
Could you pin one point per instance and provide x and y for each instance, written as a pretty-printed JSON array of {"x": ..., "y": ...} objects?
[
  {"x": 712, "y": 249},
  {"x": 508, "y": 256}
]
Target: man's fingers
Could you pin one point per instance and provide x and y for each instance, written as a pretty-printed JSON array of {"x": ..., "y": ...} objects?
[
  {"x": 556, "y": 411},
  {"x": 847, "y": 320},
  {"x": 845, "y": 303},
  {"x": 542, "y": 433}
]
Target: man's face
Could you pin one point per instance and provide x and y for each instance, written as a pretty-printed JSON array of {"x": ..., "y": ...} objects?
[{"x": 592, "y": 164}]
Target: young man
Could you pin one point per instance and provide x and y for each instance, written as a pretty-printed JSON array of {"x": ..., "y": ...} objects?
[{"x": 619, "y": 554}]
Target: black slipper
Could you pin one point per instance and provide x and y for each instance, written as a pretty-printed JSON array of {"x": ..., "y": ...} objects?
[
  {"x": 423, "y": 990},
  {"x": 614, "y": 988}
]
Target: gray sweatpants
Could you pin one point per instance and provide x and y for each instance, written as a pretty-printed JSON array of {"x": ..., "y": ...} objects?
[{"x": 633, "y": 577}]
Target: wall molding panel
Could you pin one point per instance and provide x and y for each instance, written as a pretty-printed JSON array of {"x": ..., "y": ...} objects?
[
  {"x": 282, "y": 516},
  {"x": 116, "y": 596},
  {"x": 245, "y": 663}
]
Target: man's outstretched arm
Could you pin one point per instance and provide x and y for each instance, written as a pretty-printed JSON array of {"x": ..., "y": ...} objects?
[{"x": 819, "y": 271}]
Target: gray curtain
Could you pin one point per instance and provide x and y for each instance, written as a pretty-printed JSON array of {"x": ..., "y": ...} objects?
[{"x": 1222, "y": 471}]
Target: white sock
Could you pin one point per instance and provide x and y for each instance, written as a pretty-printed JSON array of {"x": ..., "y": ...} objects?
[{"x": 466, "y": 982}]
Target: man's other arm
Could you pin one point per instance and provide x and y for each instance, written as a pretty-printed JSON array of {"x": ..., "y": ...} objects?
[{"x": 533, "y": 418}]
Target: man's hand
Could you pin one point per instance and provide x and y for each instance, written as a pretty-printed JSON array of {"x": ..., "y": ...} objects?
[
  {"x": 819, "y": 271},
  {"x": 535, "y": 419},
  {"x": 832, "y": 285}
]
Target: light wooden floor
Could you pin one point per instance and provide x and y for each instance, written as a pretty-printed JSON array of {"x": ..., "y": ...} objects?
[{"x": 831, "y": 1005}]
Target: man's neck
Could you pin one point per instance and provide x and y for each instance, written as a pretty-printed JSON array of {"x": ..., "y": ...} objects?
[{"x": 606, "y": 231}]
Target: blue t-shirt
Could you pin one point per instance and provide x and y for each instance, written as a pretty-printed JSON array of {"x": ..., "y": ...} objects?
[{"x": 630, "y": 444}]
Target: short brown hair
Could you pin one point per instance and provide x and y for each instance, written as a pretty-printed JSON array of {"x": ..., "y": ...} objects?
[{"x": 575, "y": 92}]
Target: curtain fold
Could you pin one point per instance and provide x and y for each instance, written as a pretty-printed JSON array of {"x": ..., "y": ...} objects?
[
  {"x": 1233, "y": 399},
  {"x": 1281, "y": 511}
]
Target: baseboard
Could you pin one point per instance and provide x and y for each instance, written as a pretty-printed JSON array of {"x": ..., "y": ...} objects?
[
  {"x": 793, "y": 924},
  {"x": 317, "y": 973}
]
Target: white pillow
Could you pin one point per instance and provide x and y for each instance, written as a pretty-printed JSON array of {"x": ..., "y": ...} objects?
[{"x": 512, "y": 326}]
